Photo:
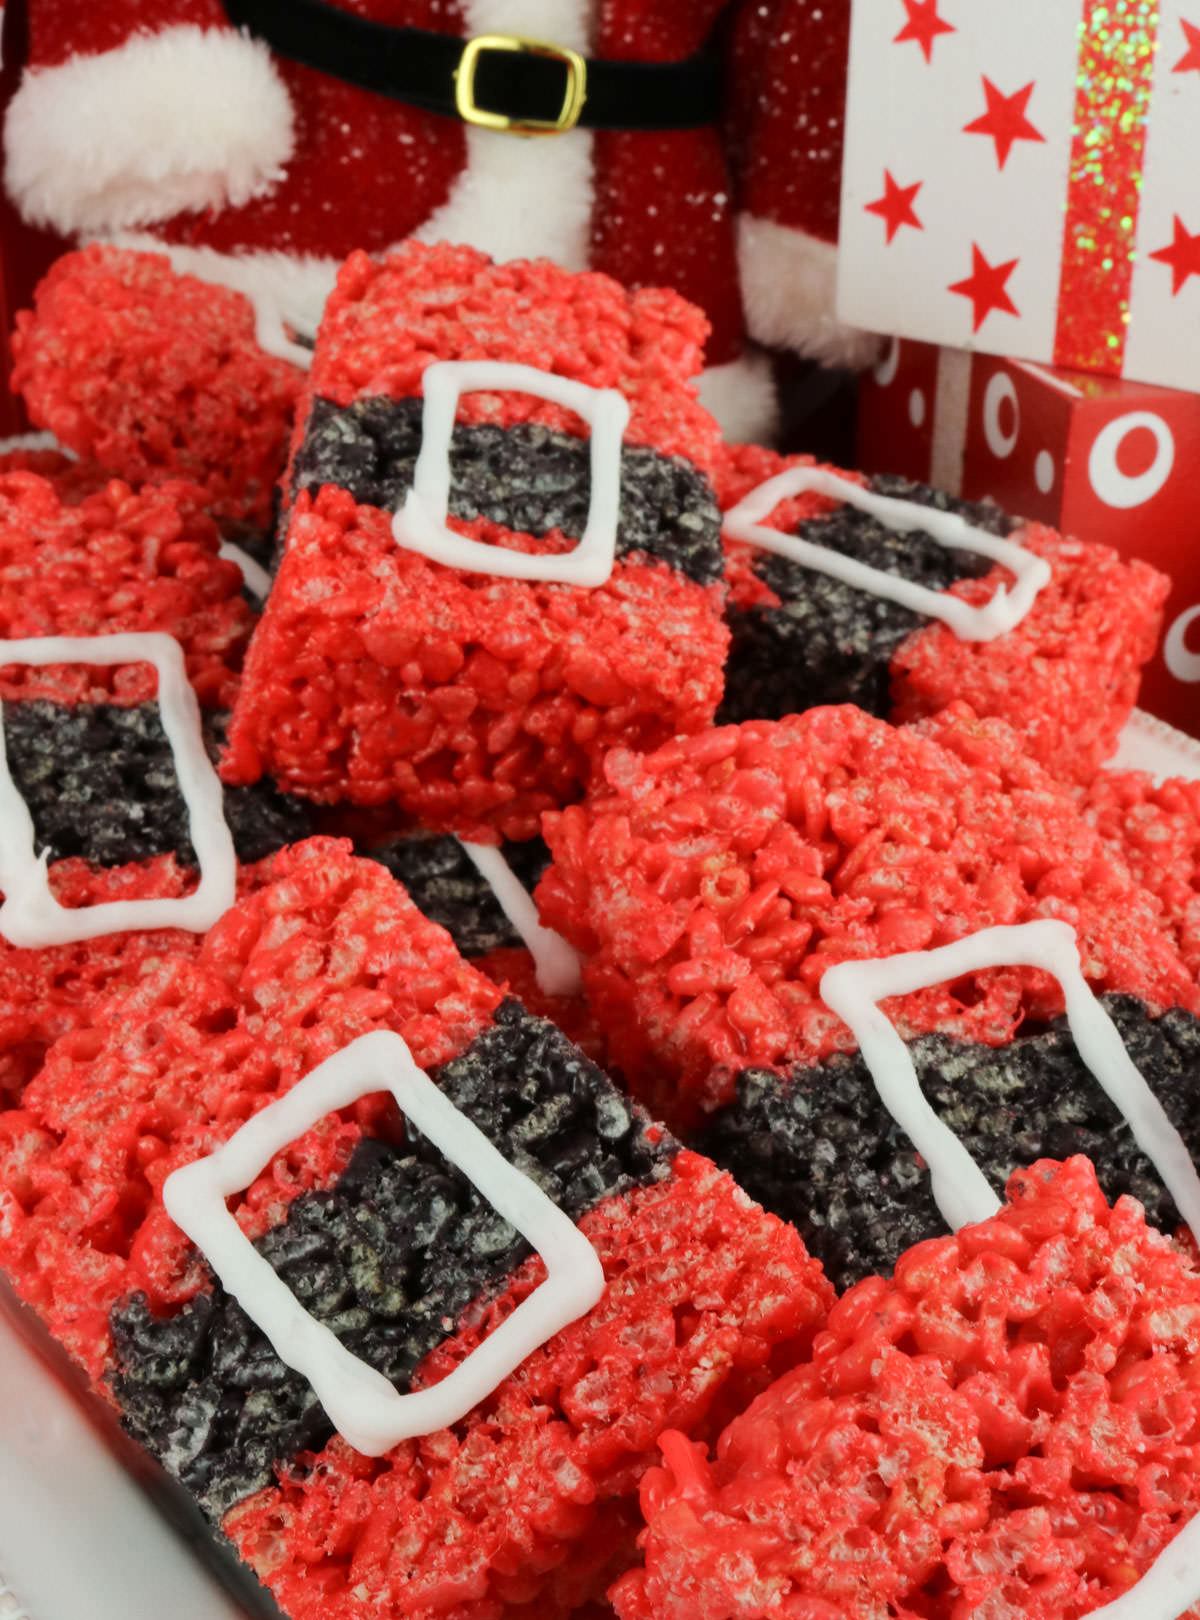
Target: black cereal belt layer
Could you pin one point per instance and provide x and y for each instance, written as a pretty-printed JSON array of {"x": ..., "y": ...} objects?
[
  {"x": 528, "y": 478},
  {"x": 817, "y": 1146},
  {"x": 443, "y": 882},
  {"x": 401, "y": 1245},
  {"x": 828, "y": 642},
  {"x": 99, "y": 782}
]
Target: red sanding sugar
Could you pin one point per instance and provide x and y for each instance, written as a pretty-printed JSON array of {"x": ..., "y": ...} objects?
[
  {"x": 710, "y": 885},
  {"x": 526, "y": 1500},
  {"x": 1156, "y": 830},
  {"x": 1066, "y": 678},
  {"x": 157, "y": 375},
  {"x": 324, "y": 948},
  {"x": 474, "y": 702},
  {"x": 1009, "y": 1429},
  {"x": 117, "y": 560},
  {"x": 387, "y": 320}
]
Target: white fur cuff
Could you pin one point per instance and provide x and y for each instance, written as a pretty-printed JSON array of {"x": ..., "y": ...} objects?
[
  {"x": 788, "y": 280},
  {"x": 188, "y": 118}
]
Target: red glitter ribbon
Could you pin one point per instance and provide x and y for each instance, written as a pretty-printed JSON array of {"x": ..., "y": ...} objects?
[{"x": 1113, "y": 82}]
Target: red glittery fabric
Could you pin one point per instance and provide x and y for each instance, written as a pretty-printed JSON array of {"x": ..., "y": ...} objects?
[
  {"x": 1066, "y": 678},
  {"x": 711, "y": 883},
  {"x": 1009, "y": 1428},
  {"x": 157, "y": 375},
  {"x": 117, "y": 560}
]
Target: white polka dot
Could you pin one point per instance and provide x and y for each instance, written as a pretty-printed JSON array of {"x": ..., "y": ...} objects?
[
  {"x": 885, "y": 371},
  {"x": 1184, "y": 665},
  {"x": 999, "y": 389},
  {"x": 1043, "y": 471},
  {"x": 916, "y": 407},
  {"x": 1123, "y": 490}
]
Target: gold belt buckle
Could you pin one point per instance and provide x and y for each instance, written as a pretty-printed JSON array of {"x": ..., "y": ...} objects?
[{"x": 464, "y": 85}]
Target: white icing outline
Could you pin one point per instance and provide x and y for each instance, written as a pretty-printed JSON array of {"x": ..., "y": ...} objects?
[
  {"x": 557, "y": 965},
  {"x": 360, "y": 1402},
  {"x": 420, "y": 523},
  {"x": 1168, "y": 1589},
  {"x": 30, "y": 915},
  {"x": 854, "y": 989},
  {"x": 254, "y": 576},
  {"x": 1002, "y": 613}
]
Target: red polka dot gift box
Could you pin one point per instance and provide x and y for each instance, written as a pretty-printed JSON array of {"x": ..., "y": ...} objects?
[{"x": 1101, "y": 458}]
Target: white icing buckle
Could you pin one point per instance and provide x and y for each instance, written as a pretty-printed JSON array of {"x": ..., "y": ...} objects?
[
  {"x": 360, "y": 1402},
  {"x": 557, "y": 965},
  {"x": 1002, "y": 613},
  {"x": 420, "y": 523},
  {"x": 853, "y": 990},
  {"x": 30, "y": 915}
]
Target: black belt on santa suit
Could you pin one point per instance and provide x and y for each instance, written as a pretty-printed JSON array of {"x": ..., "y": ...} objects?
[{"x": 497, "y": 81}]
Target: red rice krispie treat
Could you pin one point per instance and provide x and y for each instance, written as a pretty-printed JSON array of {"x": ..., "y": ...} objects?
[
  {"x": 1155, "y": 827},
  {"x": 678, "y": 1299},
  {"x": 157, "y": 375},
  {"x": 1009, "y": 1427},
  {"x": 471, "y": 698},
  {"x": 1065, "y": 675}
]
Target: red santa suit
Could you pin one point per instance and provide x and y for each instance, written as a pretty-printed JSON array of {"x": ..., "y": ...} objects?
[{"x": 155, "y": 123}]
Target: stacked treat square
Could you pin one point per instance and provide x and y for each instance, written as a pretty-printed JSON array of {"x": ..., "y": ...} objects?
[{"x": 670, "y": 1079}]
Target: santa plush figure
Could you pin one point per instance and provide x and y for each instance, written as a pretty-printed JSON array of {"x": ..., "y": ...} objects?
[{"x": 692, "y": 143}]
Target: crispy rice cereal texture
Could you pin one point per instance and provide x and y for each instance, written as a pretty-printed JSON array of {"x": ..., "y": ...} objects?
[
  {"x": 711, "y": 883},
  {"x": 157, "y": 375},
  {"x": 1008, "y": 1428}
]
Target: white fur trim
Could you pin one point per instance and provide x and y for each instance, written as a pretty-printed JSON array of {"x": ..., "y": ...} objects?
[
  {"x": 788, "y": 280},
  {"x": 187, "y": 118},
  {"x": 521, "y": 198},
  {"x": 741, "y": 395}
]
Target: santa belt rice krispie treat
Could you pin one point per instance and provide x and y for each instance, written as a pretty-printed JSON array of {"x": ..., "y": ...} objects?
[
  {"x": 713, "y": 885},
  {"x": 117, "y": 615},
  {"x": 502, "y": 552},
  {"x": 421, "y": 1366},
  {"x": 901, "y": 599}
]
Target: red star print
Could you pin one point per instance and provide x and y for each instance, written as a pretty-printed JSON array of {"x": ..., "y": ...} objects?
[
  {"x": 896, "y": 205},
  {"x": 1005, "y": 119},
  {"x": 985, "y": 287},
  {"x": 924, "y": 25},
  {"x": 1189, "y": 62},
  {"x": 1183, "y": 255}
]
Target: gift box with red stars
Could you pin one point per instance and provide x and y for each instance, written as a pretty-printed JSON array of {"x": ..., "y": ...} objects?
[
  {"x": 1099, "y": 457},
  {"x": 1019, "y": 178}
]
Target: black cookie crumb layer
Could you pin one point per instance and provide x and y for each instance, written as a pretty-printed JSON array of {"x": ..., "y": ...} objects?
[
  {"x": 528, "y": 478},
  {"x": 443, "y": 881},
  {"x": 817, "y": 1146},
  {"x": 390, "y": 1258},
  {"x": 99, "y": 781},
  {"x": 828, "y": 642}
]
